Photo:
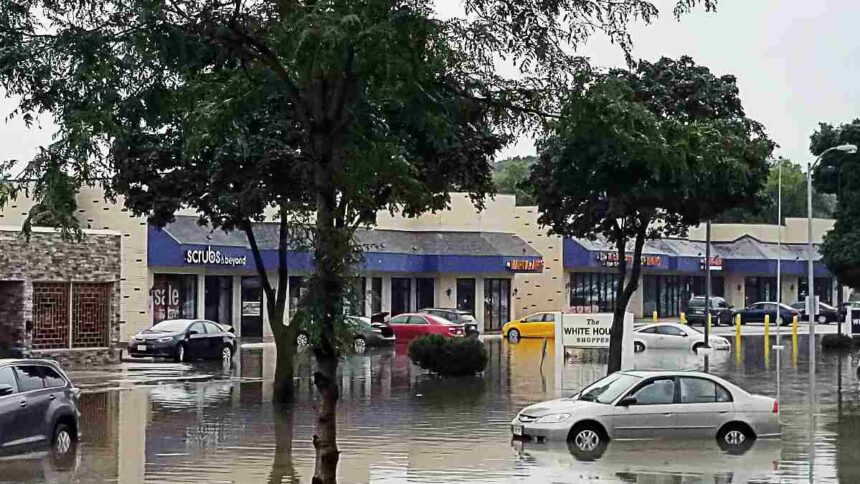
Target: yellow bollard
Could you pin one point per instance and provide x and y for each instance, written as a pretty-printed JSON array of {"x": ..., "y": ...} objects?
[
  {"x": 767, "y": 339},
  {"x": 738, "y": 328},
  {"x": 683, "y": 317},
  {"x": 654, "y": 316},
  {"x": 709, "y": 322},
  {"x": 794, "y": 341}
]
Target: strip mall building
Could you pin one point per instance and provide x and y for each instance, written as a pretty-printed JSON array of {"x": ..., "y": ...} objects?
[{"x": 497, "y": 263}]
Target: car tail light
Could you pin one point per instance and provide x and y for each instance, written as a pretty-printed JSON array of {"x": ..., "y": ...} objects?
[{"x": 775, "y": 406}]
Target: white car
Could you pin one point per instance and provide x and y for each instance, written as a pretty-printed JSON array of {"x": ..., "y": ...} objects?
[
  {"x": 676, "y": 336},
  {"x": 640, "y": 404}
]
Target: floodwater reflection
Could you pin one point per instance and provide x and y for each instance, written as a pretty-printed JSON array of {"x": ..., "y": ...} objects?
[{"x": 398, "y": 424}]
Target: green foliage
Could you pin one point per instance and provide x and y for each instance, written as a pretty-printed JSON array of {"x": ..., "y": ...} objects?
[
  {"x": 449, "y": 356},
  {"x": 793, "y": 198},
  {"x": 839, "y": 174},
  {"x": 644, "y": 154},
  {"x": 511, "y": 177}
]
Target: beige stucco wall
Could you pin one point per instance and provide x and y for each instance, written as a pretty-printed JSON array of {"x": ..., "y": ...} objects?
[
  {"x": 546, "y": 291},
  {"x": 793, "y": 232}
]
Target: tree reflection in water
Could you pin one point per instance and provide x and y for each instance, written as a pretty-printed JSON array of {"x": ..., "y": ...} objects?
[{"x": 283, "y": 470}]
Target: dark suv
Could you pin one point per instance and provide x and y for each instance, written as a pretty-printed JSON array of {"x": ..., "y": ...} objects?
[
  {"x": 38, "y": 406},
  {"x": 455, "y": 316},
  {"x": 721, "y": 311}
]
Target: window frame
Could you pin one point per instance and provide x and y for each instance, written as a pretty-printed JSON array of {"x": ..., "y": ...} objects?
[
  {"x": 676, "y": 392},
  {"x": 717, "y": 386},
  {"x": 539, "y": 319},
  {"x": 59, "y": 375},
  {"x": 207, "y": 324},
  {"x": 195, "y": 323},
  {"x": 14, "y": 380},
  {"x": 423, "y": 320},
  {"x": 648, "y": 330},
  {"x": 16, "y": 369},
  {"x": 399, "y": 316},
  {"x": 680, "y": 333}
]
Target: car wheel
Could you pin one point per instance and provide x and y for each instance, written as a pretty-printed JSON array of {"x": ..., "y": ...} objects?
[
  {"x": 735, "y": 438},
  {"x": 63, "y": 446},
  {"x": 513, "y": 335},
  {"x": 303, "y": 340},
  {"x": 638, "y": 347},
  {"x": 822, "y": 319},
  {"x": 180, "y": 355},
  {"x": 587, "y": 441},
  {"x": 226, "y": 356},
  {"x": 360, "y": 345}
]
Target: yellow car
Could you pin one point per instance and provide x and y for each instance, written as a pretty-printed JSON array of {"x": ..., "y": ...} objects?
[{"x": 537, "y": 325}]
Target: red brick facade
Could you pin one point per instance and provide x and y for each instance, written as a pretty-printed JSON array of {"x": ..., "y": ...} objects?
[
  {"x": 50, "y": 315},
  {"x": 91, "y": 309}
]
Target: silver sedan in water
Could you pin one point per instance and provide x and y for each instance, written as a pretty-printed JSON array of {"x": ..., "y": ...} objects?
[{"x": 641, "y": 404}]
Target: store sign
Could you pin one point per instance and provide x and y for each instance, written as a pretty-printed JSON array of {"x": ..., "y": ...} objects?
[
  {"x": 716, "y": 263},
  {"x": 525, "y": 265},
  {"x": 610, "y": 259},
  {"x": 854, "y": 319},
  {"x": 586, "y": 330},
  {"x": 211, "y": 256}
]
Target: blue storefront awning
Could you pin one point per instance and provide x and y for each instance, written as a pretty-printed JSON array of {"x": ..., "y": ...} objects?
[
  {"x": 185, "y": 243},
  {"x": 745, "y": 254}
]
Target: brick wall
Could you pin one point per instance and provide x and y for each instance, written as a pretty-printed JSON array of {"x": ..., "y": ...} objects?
[{"x": 53, "y": 284}]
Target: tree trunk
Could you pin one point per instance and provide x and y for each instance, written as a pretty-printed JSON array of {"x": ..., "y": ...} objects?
[
  {"x": 285, "y": 349},
  {"x": 626, "y": 287}
]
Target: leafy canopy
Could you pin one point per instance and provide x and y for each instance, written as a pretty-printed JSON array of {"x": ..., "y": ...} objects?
[
  {"x": 838, "y": 174},
  {"x": 511, "y": 177},
  {"x": 667, "y": 142}
]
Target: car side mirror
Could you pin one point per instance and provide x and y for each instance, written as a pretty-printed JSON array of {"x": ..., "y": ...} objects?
[
  {"x": 192, "y": 332},
  {"x": 6, "y": 389},
  {"x": 627, "y": 401}
]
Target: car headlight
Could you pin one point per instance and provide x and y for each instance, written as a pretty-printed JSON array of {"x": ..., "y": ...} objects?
[
  {"x": 166, "y": 339},
  {"x": 554, "y": 418}
]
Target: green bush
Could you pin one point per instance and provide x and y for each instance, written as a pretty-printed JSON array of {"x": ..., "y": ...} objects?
[
  {"x": 449, "y": 356},
  {"x": 840, "y": 341}
]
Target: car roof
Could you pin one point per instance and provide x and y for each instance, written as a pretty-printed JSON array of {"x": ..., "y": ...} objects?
[
  {"x": 649, "y": 373},
  {"x": 662, "y": 323},
  {"x": 450, "y": 310},
  {"x": 19, "y": 361}
]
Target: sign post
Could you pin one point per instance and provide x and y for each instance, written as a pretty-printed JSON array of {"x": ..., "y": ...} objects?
[{"x": 589, "y": 331}]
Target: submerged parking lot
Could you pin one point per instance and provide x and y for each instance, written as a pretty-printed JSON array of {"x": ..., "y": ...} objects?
[{"x": 165, "y": 422}]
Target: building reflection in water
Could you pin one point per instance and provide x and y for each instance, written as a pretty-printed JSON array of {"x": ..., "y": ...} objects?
[{"x": 397, "y": 424}]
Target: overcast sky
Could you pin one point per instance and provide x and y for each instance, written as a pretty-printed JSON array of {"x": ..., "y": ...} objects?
[{"x": 797, "y": 63}]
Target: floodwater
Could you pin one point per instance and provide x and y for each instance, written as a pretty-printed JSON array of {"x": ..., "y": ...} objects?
[{"x": 161, "y": 424}]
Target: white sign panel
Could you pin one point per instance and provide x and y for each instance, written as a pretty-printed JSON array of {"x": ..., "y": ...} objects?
[{"x": 586, "y": 330}]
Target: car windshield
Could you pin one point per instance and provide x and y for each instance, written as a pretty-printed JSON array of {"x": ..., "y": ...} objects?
[
  {"x": 168, "y": 327},
  {"x": 467, "y": 318},
  {"x": 608, "y": 389}
]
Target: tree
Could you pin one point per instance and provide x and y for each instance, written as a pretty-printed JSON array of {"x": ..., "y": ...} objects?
[
  {"x": 511, "y": 177},
  {"x": 328, "y": 109},
  {"x": 839, "y": 174},
  {"x": 793, "y": 198},
  {"x": 644, "y": 154}
]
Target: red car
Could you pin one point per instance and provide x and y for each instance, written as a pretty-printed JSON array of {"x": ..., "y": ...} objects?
[{"x": 409, "y": 326}]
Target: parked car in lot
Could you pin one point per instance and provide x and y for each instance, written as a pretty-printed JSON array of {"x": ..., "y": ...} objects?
[
  {"x": 676, "y": 336},
  {"x": 409, "y": 326},
  {"x": 366, "y": 333},
  {"x": 184, "y": 340},
  {"x": 756, "y": 312},
  {"x": 536, "y": 325},
  {"x": 39, "y": 405},
  {"x": 651, "y": 404},
  {"x": 721, "y": 311},
  {"x": 826, "y": 313},
  {"x": 455, "y": 316}
]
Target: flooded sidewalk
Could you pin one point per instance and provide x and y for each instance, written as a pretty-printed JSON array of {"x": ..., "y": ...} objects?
[{"x": 166, "y": 422}]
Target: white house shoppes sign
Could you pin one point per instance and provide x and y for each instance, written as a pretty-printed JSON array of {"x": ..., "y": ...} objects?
[{"x": 212, "y": 256}]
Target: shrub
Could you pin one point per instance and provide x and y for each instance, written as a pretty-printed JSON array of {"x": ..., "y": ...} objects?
[
  {"x": 840, "y": 341},
  {"x": 449, "y": 356}
]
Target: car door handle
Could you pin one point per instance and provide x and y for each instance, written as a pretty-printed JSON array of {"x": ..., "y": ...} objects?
[
  {"x": 22, "y": 404},
  {"x": 667, "y": 414},
  {"x": 52, "y": 397}
]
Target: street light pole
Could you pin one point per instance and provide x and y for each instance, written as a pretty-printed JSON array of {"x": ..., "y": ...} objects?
[{"x": 810, "y": 274}]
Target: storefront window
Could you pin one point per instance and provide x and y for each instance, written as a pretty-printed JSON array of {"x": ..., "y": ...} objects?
[
  {"x": 593, "y": 292},
  {"x": 466, "y": 295},
  {"x": 173, "y": 296},
  {"x": 425, "y": 292},
  {"x": 359, "y": 299},
  {"x": 401, "y": 292},
  {"x": 219, "y": 299},
  {"x": 497, "y": 301},
  {"x": 823, "y": 289},
  {"x": 375, "y": 295},
  {"x": 298, "y": 289},
  {"x": 759, "y": 289},
  {"x": 252, "y": 307}
]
